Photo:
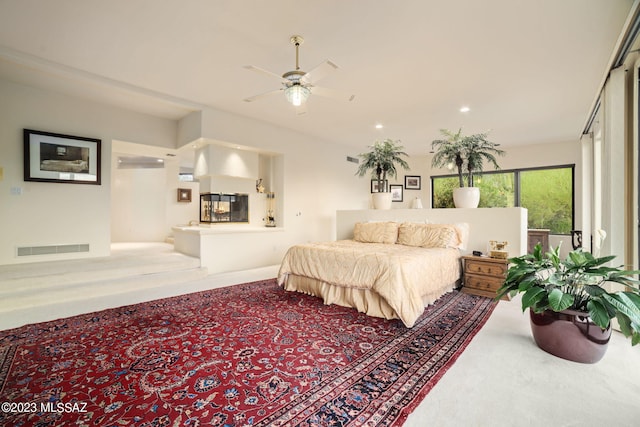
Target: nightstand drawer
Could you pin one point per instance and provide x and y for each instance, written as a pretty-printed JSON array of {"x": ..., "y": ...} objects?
[
  {"x": 484, "y": 276},
  {"x": 489, "y": 269},
  {"x": 482, "y": 283}
]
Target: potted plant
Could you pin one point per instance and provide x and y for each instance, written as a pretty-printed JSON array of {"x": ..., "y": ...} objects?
[
  {"x": 382, "y": 161},
  {"x": 570, "y": 308},
  {"x": 468, "y": 154}
]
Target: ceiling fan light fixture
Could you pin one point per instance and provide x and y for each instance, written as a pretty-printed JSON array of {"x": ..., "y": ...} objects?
[
  {"x": 297, "y": 94},
  {"x": 297, "y": 84}
]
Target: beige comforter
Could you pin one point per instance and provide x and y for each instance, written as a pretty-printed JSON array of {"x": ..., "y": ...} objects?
[{"x": 399, "y": 274}]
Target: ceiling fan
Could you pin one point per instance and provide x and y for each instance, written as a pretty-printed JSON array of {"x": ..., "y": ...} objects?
[{"x": 297, "y": 85}]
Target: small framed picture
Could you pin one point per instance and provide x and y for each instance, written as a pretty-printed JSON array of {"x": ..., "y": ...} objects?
[
  {"x": 374, "y": 186},
  {"x": 412, "y": 182},
  {"x": 184, "y": 195},
  {"x": 396, "y": 193}
]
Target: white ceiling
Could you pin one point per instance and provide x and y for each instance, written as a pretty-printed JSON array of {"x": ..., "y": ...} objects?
[{"x": 528, "y": 69}]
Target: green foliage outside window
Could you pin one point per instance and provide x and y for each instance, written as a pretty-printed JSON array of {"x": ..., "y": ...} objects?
[
  {"x": 546, "y": 193},
  {"x": 497, "y": 190},
  {"x": 548, "y": 196},
  {"x": 443, "y": 192}
]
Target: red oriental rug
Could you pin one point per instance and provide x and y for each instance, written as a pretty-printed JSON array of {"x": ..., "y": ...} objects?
[{"x": 250, "y": 354}]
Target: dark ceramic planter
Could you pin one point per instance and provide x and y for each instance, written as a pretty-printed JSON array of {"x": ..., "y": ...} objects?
[{"x": 570, "y": 335}]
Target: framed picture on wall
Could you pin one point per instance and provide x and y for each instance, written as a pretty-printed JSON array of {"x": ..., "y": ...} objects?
[
  {"x": 396, "y": 193},
  {"x": 54, "y": 157},
  {"x": 412, "y": 182},
  {"x": 374, "y": 186},
  {"x": 184, "y": 195}
]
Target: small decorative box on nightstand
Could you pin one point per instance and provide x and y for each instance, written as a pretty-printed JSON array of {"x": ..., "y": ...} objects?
[{"x": 484, "y": 276}]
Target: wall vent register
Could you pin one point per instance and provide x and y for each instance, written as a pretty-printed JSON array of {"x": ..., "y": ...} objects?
[{"x": 51, "y": 249}]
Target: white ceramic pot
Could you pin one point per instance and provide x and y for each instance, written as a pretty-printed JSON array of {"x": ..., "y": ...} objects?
[
  {"x": 466, "y": 197},
  {"x": 381, "y": 200}
]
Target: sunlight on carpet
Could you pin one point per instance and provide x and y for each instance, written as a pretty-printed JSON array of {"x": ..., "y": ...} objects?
[{"x": 250, "y": 354}]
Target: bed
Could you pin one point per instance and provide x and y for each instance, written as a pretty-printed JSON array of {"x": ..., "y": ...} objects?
[{"x": 390, "y": 270}]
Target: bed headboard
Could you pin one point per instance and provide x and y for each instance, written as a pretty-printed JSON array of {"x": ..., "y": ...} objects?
[{"x": 502, "y": 224}]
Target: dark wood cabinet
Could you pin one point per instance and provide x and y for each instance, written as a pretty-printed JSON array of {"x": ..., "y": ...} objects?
[{"x": 484, "y": 276}]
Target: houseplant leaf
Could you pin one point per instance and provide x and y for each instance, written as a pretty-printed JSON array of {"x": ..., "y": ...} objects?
[
  {"x": 598, "y": 314},
  {"x": 624, "y": 305},
  {"x": 532, "y": 296},
  {"x": 625, "y": 324},
  {"x": 559, "y": 301},
  {"x": 381, "y": 161}
]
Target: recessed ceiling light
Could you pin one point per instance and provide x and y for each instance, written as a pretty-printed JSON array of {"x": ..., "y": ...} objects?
[
  {"x": 379, "y": 126},
  {"x": 465, "y": 109}
]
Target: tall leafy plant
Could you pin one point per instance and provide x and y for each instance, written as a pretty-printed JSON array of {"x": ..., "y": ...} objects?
[
  {"x": 467, "y": 153},
  {"x": 449, "y": 152},
  {"x": 382, "y": 161},
  {"x": 478, "y": 149},
  {"x": 548, "y": 282}
]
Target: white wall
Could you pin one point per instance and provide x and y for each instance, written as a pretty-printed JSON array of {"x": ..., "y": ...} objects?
[
  {"x": 180, "y": 212},
  {"x": 316, "y": 180},
  {"x": 144, "y": 202},
  {"x": 52, "y": 213},
  {"x": 312, "y": 178},
  {"x": 138, "y": 198}
]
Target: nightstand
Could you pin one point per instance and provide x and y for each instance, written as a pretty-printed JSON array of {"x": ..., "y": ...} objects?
[{"x": 484, "y": 276}]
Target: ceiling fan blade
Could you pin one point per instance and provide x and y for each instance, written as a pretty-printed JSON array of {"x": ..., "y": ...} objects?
[
  {"x": 263, "y": 71},
  {"x": 256, "y": 97},
  {"x": 319, "y": 72},
  {"x": 330, "y": 93}
]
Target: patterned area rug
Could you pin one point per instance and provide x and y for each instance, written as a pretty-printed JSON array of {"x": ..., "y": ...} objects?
[{"x": 250, "y": 354}]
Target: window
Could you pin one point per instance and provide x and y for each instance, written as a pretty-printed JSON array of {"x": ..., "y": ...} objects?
[
  {"x": 442, "y": 191},
  {"x": 497, "y": 189},
  {"x": 548, "y": 196},
  {"x": 547, "y": 193}
]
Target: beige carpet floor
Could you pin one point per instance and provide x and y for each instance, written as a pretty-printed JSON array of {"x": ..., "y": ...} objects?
[{"x": 504, "y": 379}]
